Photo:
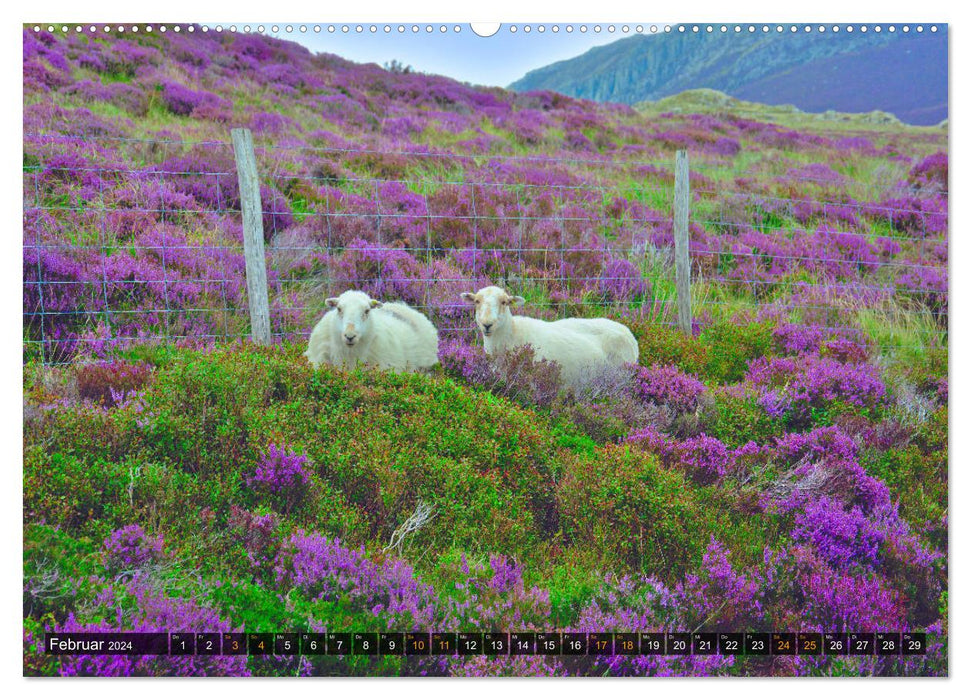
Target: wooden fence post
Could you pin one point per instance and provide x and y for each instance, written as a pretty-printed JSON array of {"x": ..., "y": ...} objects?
[
  {"x": 249, "y": 197},
  {"x": 682, "y": 261}
]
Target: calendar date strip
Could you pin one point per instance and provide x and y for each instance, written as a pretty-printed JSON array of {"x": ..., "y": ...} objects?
[{"x": 488, "y": 643}]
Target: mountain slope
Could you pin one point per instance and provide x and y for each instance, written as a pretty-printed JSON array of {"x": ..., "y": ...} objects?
[{"x": 898, "y": 73}]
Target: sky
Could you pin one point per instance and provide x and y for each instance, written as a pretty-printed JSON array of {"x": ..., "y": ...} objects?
[{"x": 497, "y": 60}]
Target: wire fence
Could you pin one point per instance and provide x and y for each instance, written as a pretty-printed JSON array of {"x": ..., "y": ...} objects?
[{"x": 115, "y": 255}]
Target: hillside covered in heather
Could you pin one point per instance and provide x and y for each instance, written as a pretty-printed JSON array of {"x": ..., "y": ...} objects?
[{"x": 782, "y": 467}]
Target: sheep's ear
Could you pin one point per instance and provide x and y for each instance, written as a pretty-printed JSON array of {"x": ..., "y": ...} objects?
[
  {"x": 375, "y": 304},
  {"x": 469, "y": 297},
  {"x": 517, "y": 301},
  {"x": 332, "y": 302}
]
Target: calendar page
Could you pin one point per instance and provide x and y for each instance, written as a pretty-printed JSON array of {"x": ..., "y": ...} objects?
[{"x": 512, "y": 349}]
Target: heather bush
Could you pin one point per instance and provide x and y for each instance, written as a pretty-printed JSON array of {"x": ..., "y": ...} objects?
[
  {"x": 702, "y": 458},
  {"x": 284, "y": 475},
  {"x": 606, "y": 405},
  {"x": 930, "y": 173},
  {"x": 516, "y": 374},
  {"x": 183, "y": 101},
  {"x": 612, "y": 418},
  {"x": 345, "y": 583},
  {"x": 668, "y": 386},
  {"x": 624, "y": 604},
  {"x": 382, "y": 272},
  {"x": 493, "y": 595},
  {"x": 621, "y": 281},
  {"x": 808, "y": 389},
  {"x": 139, "y": 606},
  {"x": 835, "y": 600},
  {"x": 130, "y": 548},
  {"x": 110, "y": 383},
  {"x": 257, "y": 535},
  {"x": 824, "y": 461},
  {"x": 721, "y": 597},
  {"x": 842, "y": 537},
  {"x": 797, "y": 339}
]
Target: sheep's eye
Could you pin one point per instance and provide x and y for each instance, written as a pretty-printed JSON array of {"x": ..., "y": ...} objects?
[
  {"x": 340, "y": 310},
  {"x": 505, "y": 302},
  {"x": 366, "y": 312}
]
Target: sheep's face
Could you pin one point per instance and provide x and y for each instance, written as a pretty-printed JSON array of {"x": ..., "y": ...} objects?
[
  {"x": 492, "y": 308},
  {"x": 353, "y": 311}
]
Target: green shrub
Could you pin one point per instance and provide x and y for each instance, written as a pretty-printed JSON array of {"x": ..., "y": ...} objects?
[
  {"x": 932, "y": 433},
  {"x": 665, "y": 345},
  {"x": 736, "y": 420},
  {"x": 254, "y": 607},
  {"x": 923, "y": 370},
  {"x": 106, "y": 383},
  {"x": 57, "y": 568},
  {"x": 918, "y": 481},
  {"x": 571, "y": 588},
  {"x": 637, "y": 514},
  {"x": 731, "y": 346},
  {"x": 569, "y": 437},
  {"x": 378, "y": 443},
  {"x": 832, "y": 413},
  {"x": 721, "y": 353},
  {"x": 69, "y": 492}
]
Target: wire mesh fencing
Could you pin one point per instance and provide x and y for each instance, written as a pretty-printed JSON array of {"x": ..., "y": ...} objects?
[{"x": 116, "y": 255}]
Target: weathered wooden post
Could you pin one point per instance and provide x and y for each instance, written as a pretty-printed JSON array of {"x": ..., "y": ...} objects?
[
  {"x": 252, "y": 209},
  {"x": 682, "y": 261}
]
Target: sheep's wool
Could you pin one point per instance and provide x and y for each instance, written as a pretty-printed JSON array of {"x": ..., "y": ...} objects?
[{"x": 388, "y": 336}]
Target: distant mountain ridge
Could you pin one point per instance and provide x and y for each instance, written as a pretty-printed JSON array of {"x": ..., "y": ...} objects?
[{"x": 904, "y": 74}]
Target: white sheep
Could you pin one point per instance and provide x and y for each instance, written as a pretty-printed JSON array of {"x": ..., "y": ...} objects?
[
  {"x": 579, "y": 346},
  {"x": 617, "y": 340},
  {"x": 359, "y": 329}
]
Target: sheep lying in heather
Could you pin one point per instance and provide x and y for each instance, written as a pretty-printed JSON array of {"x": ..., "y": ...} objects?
[
  {"x": 578, "y": 345},
  {"x": 359, "y": 329}
]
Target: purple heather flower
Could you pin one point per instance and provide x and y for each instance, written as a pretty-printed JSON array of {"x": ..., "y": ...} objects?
[
  {"x": 668, "y": 386},
  {"x": 324, "y": 570},
  {"x": 150, "y": 610},
  {"x": 130, "y": 547},
  {"x": 801, "y": 384},
  {"x": 622, "y": 281},
  {"x": 283, "y": 474},
  {"x": 843, "y": 537}
]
